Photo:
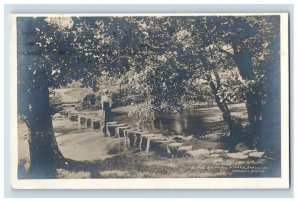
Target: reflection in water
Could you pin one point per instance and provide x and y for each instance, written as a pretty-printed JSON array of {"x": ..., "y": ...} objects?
[{"x": 191, "y": 122}]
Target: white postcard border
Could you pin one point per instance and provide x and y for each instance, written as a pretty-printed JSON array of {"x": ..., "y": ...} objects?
[{"x": 282, "y": 182}]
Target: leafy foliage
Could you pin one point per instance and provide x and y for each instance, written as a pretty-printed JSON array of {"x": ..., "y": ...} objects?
[{"x": 164, "y": 62}]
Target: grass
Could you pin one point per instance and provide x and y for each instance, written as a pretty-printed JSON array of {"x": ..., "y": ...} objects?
[{"x": 148, "y": 165}]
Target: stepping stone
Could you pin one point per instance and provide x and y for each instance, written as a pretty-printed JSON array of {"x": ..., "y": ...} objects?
[
  {"x": 111, "y": 128},
  {"x": 85, "y": 121},
  {"x": 111, "y": 123},
  {"x": 89, "y": 122},
  {"x": 116, "y": 125},
  {"x": 178, "y": 137},
  {"x": 175, "y": 145},
  {"x": 129, "y": 130},
  {"x": 185, "y": 148},
  {"x": 213, "y": 136},
  {"x": 237, "y": 155},
  {"x": 96, "y": 121},
  {"x": 125, "y": 132},
  {"x": 132, "y": 137},
  {"x": 218, "y": 151},
  {"x": 148, "y": 139},
  {"x": 145, "y": 141},
  {"x": 256, "y": 154},
  {"x": 81, "y": 122},
  {"x": 181, "y": 137},
  {"x": 73, "y": 117},
  {"x": 118, "y": 130},
  {"x": 138, "y": 138},
  {"x": 174, "y": 148},
  {"x": 189, "y": 137},
  {"x": 161, "y": 147},
  {"x": 151, "y": 141},
  {"x": 248, "y": 152},
  {"x": 198, "y": 153},
  {"x": 181, "y": 151}
]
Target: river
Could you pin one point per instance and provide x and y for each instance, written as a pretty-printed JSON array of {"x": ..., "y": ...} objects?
[{"x": 194, "y": 121}]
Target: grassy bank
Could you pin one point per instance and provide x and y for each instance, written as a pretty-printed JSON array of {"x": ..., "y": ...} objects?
[{"x": 145, "y": 165}]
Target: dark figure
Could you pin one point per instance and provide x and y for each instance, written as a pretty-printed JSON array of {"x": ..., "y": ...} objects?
[{"x": 106, "y": 108}]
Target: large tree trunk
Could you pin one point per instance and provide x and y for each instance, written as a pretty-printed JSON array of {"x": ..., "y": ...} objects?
[
  {"x": 253, "y": 97},
  {"x": 254, "y": 109},
  {"x": 235, "y": 128},
  {"x": 271, "y": 124},
  {"x": 33, "y": 101},
  {"x": 44, "y": 152}
]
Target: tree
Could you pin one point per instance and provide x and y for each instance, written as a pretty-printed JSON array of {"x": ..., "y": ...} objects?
[
  {"x": 165, "y": 59},
  {"x": 252, "y": 45},
  {"x": 211, "y": 45},
  {"x": 54, "y": 52},
  {"x": 33, "y": 98}
]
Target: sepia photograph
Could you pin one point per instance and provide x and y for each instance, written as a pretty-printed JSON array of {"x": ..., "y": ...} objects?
[{"x": 159, "y": 97}]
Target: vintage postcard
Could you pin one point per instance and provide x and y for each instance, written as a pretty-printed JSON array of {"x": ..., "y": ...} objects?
[{"x": 150, "y": 101}]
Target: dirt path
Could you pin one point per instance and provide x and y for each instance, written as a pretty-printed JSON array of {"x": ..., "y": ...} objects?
[
  {"x": 85, "y": 145},
  {"x": 75, "y": 144}
]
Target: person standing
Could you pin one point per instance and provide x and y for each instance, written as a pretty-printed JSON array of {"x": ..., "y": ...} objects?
[{"x": 106, "y": 103}]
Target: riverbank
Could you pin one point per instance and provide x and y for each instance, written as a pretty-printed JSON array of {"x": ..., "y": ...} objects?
[
  {"x": 199, "y": 121},
  {"x": 110, "y": 159}
]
